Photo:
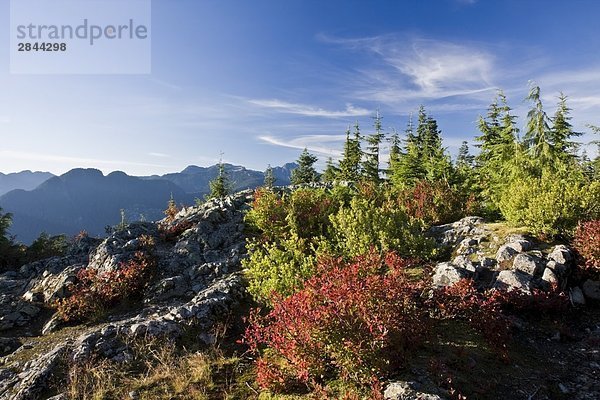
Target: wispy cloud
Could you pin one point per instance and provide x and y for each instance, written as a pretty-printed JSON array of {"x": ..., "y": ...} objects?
[
  {"x": 466, "y": 2},
  {"x": 30, "y": 156},
  {"x": 406, "y": 70},
  {"x": 160, "y": 155},
  {"x": 327, "y": 145},
  {"x": 309, "y": 111}
]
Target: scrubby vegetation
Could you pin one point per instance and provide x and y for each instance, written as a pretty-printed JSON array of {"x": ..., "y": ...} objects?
[
  {"x": 340, "y": 271},
  {"x": 95, "y": 291},
  {"x": 330, "y": 266}
]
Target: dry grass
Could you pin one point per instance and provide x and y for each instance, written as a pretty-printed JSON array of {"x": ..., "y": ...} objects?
[{"x": 158, "y": 370}]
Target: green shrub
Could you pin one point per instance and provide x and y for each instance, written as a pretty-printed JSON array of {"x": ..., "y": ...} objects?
[
  {"x": 364, "y": 225},
  {"x": 552, "y": 204},
  {"x": 308, "y": 212},
  {"x": 279, "y": 267}
]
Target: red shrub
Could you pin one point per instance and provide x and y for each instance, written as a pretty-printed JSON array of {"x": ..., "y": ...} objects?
[
  {"x": 354, "y": 321},
  {"x": 435, "y": 202},
  {"x": 94, "y": 292},
  {"x": 587, "y": 244}
]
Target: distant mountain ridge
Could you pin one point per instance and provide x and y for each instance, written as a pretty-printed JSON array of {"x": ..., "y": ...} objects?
[
  {"x": 86, "y": 199},
  {"x": 194, "y": 179},
  {"x": 26, "y": 180}
]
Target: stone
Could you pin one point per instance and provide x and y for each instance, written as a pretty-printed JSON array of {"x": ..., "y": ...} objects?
[
  {"x": 505, "y": 253},
  {"x": 447, "y": 274},
  {"x": 528, "y": 264},
  {"x": 591, "y": 289},
  {"x": 576, "y": 296},
  {"x": 549, "y": 277},
  {"x": 407, "y": 391},
  {"x": 560, "y": 270},
  {"x": 508, "y": 280},
  {"x": 561, "y": 254},
  {"x": 520, "y": 245}
]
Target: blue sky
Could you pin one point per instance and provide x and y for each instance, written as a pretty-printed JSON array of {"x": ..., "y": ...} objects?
[{"x": 260, "y": 80}]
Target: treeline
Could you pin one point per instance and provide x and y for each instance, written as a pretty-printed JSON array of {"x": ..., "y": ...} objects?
[{"x": 537, "y": 179}]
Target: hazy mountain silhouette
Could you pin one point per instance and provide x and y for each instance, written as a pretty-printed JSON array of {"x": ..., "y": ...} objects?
[
  {"x": 194, "y": 179},
  {"x": 25, "y": 180},
  {"x": 85, "y": 199}
]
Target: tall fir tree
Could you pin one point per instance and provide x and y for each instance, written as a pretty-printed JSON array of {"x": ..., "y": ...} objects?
[
  {"x": 370, "y": 165},
  {"x": 563, "y": 149},
  {"x": 331, "y": 172},
  {"x": 464, "y": 159},
  {"x": 305, "y": 173},
  {"x": 538, "y": 130},
  {"x": 438, "y": 165},
  {"x": 350, "y": 163},
  {"x": 501, "y": 156},
  {"x": 409, "y": 168},
  {"x": 395, "y": 154},
  {"x": 269, "y": 180}
]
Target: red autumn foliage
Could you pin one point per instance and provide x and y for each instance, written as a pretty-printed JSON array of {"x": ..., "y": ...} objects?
[
  {"x": 587, "y": 244},
  {"x": 94, "y": 292},
  {"x": 353, "y": 321},
  {"x": 436, "y": 202},
  {"x": 359, "y": 321}
]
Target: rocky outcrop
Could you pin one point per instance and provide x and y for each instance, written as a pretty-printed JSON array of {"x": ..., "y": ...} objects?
[
  {"x": 197, "y": 282},
  {"x": 514, "y": 262}
]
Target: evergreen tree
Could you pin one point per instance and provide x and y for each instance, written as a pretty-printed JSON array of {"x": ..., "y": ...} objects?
[
  {"x": 538, "y": 130},
  {"x": 562, "y": 148},
  {"x": 438, "y": 165},
  {"x": 305, "y": 173},
  {"x": 220, "y": 186},
  {"x": 395, "y": 153},
  {"x": 331, "y": 171},
  {"x": 371, "y": 162},
  {"x": 409, "y": 168},
  {"x": 350, "y": 163},
  {"x": 269, "y": 181},
  {"x": 500, "y": 156},
  {"x": 464, "y": 158}
]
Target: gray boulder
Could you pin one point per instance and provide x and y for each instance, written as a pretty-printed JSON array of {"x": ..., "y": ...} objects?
[
  {"x": 528, "y": 264},
  {"x": 576, "y": 296},
  {"x": 505, "y": 253},
  {"x": 509, "y": 280},
  {"x": 407, "y": 391},
  {"x": 447, "y": 274},
  {"x": 561, "y": 254},
  {"x": 591, "y": 289}
]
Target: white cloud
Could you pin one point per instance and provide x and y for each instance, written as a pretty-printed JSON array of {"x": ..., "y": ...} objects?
[
  {"x": 161, "y": 155},
  {"x": 406, "y": 69},
  {"x": 309, "y": 111},
  {"x": 328, "y": 145},
  {"x": 79, "y": 161}
]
